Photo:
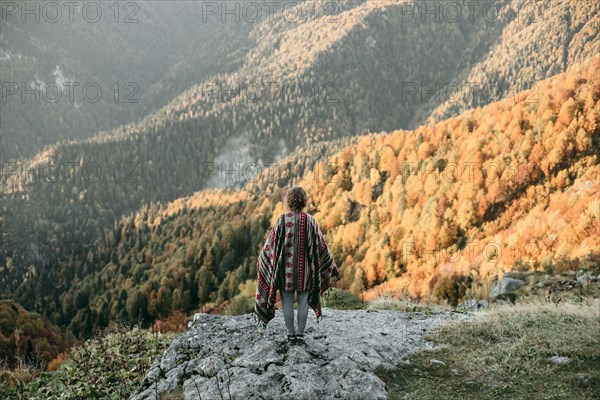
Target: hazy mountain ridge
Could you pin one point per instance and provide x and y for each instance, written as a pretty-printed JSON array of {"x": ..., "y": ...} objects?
[
  {"x": 574, "y": 30},
  {"x": 148, "y": 53}
]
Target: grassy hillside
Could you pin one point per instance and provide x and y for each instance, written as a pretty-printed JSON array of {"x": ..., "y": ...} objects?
[
  {"x": 507, "y": 354},
  {"x": 434, "y": 214}
]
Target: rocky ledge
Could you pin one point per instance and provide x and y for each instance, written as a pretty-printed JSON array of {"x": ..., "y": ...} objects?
[{"x": 228, "y": 357}]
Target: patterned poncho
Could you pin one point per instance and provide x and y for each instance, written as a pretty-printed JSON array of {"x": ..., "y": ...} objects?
[{"x": 294, "y": 256}]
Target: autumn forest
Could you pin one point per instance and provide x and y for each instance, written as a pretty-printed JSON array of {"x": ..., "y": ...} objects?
[{"x": 426, "y": 199}]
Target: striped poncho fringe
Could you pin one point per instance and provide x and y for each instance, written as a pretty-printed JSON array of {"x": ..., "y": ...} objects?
[{"x": 319, "y": 266}]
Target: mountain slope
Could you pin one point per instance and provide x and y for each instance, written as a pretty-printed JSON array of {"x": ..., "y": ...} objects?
[
  {"x": 140, "y": 56},
  {"x": 450, "y": 204},
  {"x": 562, "y": 33},
  {"x": 363, "y": 59},
  {"x": 358, "y": 65},
  {"x": 162, "y": 157}
]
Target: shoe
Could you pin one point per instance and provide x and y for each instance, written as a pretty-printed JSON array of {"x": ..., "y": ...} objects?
[
  {"x": 291, "y": 339},
  {"x": 300, "y": 339}
]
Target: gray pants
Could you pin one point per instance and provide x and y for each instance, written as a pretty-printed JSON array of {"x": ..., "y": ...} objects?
[{"x": 287, "y": 302}]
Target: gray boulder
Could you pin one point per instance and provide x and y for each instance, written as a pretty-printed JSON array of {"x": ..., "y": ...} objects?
[
  {"x": 584, "y": 279},
  {"x": 473, "y": 304},
  {"x": 506, "y": 285}
]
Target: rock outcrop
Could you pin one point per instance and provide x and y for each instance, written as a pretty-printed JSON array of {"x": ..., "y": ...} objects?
[
  {"x": 506, "y": 285},
  {"x": 228, "y": 357}
]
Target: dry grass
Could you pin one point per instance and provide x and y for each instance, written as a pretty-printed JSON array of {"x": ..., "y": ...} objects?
[
  {"x": 503, "y": 354},
  {"x": 17, "y": 376},
  {"x": 176, "y": 394}
]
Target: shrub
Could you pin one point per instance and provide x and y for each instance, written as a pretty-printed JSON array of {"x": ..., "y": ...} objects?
[
  {"x": 57, "y": 362},
  {"x": 564, "y": 264},
  {"x": 548, "y": 265},
  {"x": 342, "y": 299},
  {"x": 520, "y": 266},
  {"x": 591, "y": 263},
  {"x": 240, "y": 305},
  {"x": 508, "y": 297},
  {"x": 451, "y": 288},
  {"x": 175, "y": 322},
  {"x": 116, "y": 359}
]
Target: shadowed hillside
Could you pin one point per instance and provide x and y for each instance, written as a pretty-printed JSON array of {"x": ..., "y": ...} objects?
[{"x": 138, "y": 55}]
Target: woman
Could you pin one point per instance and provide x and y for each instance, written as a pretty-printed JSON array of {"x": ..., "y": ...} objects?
[{"x": 294, "y": 258}]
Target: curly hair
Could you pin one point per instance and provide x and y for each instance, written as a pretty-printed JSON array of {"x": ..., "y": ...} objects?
[{"x": 296, "y": 198}]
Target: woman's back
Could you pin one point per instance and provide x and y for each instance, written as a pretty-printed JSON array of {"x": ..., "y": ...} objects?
[{"x": 295, "y": 226}]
